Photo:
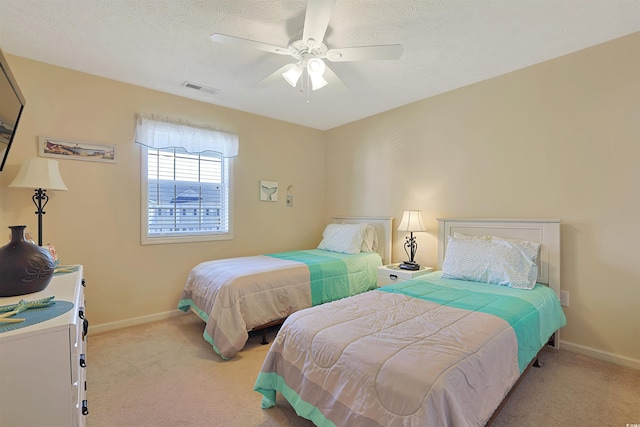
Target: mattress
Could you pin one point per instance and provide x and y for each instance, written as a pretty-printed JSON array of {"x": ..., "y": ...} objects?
[
  {"x": 427, "y": 351},
  {"x": 235, "y": 295}
]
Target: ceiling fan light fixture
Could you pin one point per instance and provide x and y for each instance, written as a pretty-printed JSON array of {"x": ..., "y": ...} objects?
[
  {"x": 317, "y": 81},
  {"x": 316, "y": 67},
  {"x": 292, "y": 75}
]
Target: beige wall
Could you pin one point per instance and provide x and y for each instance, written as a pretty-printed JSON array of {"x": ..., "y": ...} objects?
[
  {"x": 557, "y": 140},
  {"x": 97, "y": 222}
]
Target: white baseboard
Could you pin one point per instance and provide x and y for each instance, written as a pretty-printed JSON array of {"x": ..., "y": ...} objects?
[
  {"x": 601, "y": 355},
  {"x": 106, "y": 327}
]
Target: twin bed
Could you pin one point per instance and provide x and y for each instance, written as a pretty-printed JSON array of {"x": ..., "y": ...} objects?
[
  {"x": 443, "y": 349},
  {"x": 237, "y": 295}
]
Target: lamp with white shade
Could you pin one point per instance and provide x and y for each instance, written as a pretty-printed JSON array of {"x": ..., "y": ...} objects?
[
  {"x": 42, "y": 175},
  {"x": 411, "y": 223}
]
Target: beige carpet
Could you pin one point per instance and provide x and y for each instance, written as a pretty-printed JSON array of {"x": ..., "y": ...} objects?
[{"x": 165, "y": 374}]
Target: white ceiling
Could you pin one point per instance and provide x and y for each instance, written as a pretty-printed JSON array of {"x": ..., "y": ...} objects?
[{"x": 160, "y": 44}]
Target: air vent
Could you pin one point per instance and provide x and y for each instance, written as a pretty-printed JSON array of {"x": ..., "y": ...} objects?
[{"x": 201, "y": 88}]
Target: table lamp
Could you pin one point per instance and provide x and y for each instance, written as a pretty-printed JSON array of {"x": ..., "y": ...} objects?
[
  {"x": 42, "y": 175},
  {"x": 411, "y": 223}
]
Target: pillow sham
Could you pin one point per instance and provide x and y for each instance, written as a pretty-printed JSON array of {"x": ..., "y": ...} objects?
[
  {"x": 370, "y": 241},
  {"x": 491, "y": 259},
  {"x": 344, "y": 238}
]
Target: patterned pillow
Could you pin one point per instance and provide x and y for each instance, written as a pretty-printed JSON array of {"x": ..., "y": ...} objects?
[
  {"x": 491, "y": 259},
  {"x": 345, "y": 238}
]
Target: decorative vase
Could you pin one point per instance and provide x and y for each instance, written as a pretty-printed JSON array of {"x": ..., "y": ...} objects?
[{"x": 24, "y": 267}]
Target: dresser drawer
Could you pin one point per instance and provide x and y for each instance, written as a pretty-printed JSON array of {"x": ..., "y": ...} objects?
[{"x": 389, "y": 274}]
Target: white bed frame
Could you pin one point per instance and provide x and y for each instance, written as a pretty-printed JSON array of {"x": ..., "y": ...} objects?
[
  {"x": 383, "y": 227},
  {"x": 543, "y": 231}
]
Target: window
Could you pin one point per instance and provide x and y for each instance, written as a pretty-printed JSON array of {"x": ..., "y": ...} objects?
[{"x": 185, "y": 194}]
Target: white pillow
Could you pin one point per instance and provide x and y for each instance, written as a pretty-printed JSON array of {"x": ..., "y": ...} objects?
[
  {"x": 491, "y": 259},
  {"x": 370, "y": 241},
  {"x": 345, "y": 238}
]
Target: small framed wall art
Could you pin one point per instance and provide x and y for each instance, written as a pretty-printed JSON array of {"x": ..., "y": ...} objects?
[
  {"x": 61, "y": 149},
  {"x": 268, "y": 191}
]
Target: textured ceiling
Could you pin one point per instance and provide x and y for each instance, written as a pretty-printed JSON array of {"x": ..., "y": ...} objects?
[{"x": 160, "y": 44}]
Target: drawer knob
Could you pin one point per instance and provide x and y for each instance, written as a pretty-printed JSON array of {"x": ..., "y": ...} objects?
[
  {"x": 393, "y": 277},
  {"x": 83, "y": 362},
  {"x": 85, "y": 408}
]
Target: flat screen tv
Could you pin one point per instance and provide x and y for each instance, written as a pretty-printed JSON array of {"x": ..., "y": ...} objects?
[{"x": 11, "y": 106}]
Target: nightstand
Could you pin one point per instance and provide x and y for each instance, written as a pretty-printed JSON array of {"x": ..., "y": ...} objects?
[{"x": 389, "y": 274}]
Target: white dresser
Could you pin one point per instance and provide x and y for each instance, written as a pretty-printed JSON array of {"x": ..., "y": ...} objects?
[{"x": 42, "y": 366}]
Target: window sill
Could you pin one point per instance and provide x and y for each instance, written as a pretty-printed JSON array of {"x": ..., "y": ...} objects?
[{"x": 162, "y": 240}]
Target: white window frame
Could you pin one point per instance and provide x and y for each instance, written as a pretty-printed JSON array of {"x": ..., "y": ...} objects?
[{"x": 204, "y": 236}]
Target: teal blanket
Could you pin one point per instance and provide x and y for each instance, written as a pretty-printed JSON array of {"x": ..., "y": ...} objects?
[
  {"x": 533, "y": 314},
  {"x": 335, "y": 275}
]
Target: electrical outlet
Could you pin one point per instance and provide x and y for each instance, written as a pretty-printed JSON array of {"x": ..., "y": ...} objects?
[{"x": 564, "y": 298}]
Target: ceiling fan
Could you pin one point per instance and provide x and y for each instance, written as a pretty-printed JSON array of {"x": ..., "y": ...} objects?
[{"x": 311, "y": 50}]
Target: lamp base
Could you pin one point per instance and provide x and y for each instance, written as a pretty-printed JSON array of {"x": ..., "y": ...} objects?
[{"x": 410, "y": 265}]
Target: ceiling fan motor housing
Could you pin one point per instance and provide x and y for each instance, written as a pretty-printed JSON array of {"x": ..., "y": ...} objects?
[{"x": 301, "y": 51}]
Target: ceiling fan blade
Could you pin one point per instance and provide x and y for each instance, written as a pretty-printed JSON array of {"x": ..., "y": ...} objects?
[
  {"x": 237, "y": 41},
  {"x": 316, "y": 21},
  {"x": 274, "y": 77},
  {"x": 334, "y": 81},
  {"x": 365, "y": 53}
]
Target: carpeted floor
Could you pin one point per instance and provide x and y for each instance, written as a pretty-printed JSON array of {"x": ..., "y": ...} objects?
[{"x": 165, "y": 374}]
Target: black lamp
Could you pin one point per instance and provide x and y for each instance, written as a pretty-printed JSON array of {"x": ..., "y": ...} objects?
[
  {"x": 41, "y": 174},
  {"x": 411, "y": 223}
]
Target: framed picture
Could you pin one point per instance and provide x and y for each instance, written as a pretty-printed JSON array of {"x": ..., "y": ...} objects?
[
  {"x": 60, "y": 149},
  {"x": 268, "y": 191}
]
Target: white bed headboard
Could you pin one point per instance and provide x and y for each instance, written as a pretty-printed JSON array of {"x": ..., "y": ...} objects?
[
  {"x": 543, "y": 231},
  {"x": 383, "y": 227}
]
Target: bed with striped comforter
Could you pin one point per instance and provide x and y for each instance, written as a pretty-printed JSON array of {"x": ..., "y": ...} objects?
[
  {"x": 236, "y": 295},
  {"x": 425, "y": 352}
]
